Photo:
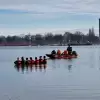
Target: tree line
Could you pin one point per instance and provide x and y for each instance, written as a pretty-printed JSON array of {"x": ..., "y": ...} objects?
[{"x": 50, "y": 39}]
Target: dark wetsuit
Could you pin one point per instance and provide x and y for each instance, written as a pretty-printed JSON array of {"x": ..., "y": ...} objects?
[
  {"x": 69, "y": 49},
  {"x": 74, "y": 53},
  {"x": 23, "y": 62},
  {"x": 26, "y": 62}
]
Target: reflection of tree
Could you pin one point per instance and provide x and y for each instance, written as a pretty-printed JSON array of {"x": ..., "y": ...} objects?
[{"x": 30, "y": 68}]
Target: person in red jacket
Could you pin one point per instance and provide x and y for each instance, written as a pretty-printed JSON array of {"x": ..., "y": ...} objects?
[
  {"x": 40, "y": 60},
  {"x": 31, "y": 60},
  {"x": 44, "y": 60},
  {"x": 69, "y": 49},
  {"x": 36, "y": 61},
  {"x": 17, "y": 62}
]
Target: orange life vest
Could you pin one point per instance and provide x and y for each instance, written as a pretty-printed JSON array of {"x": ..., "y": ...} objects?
[
  {"x": 58, "y": 52},
  {"x": 65, "y": 52}
]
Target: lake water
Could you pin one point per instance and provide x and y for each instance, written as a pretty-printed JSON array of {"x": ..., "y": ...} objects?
[{"x": 76, "y": 79}]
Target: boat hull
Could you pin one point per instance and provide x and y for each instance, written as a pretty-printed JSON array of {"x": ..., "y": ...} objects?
[{"x": 60, "y": 57}]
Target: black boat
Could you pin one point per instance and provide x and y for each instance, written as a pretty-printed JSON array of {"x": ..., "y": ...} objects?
[
  {"x": 51, "y": 56},
  {"x": 61, "y": 57}
]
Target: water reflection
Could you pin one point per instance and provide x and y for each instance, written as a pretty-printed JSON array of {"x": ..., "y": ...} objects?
[
  {"x": 61, "y": 64},
  {"x": 26, "y": 68},
  {"x": 69, "y": 67}
]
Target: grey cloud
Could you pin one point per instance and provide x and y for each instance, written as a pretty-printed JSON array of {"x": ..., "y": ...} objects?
[{"x": 54, "y": 6}]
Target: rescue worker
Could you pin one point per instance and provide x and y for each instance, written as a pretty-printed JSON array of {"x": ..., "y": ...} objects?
[
  {"x": 22, "y": 61},
  {"x": 17, "y": 62},
  {"x": 31, "y": 60},
  {"x": 36, "y": 61},
  {"x": 27, "y": 61},
  {"x": 40, "y": 60},
  {"x": 58, "y": 52},
  {"x": 69, "y": 49},
  {"x": 65, "y": 52},
  {"x": 53, "y": 52},
  {"x": 44, "y": 60}
]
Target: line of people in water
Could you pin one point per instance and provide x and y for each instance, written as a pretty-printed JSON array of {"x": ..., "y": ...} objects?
[
  {"x": 41, "y": 60},
  {"x": 68, "y": 51}
]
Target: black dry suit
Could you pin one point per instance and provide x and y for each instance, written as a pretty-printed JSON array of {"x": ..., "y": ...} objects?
[
  {"x": 69, "y": 49},
  {"x": 53, "y": 52}
]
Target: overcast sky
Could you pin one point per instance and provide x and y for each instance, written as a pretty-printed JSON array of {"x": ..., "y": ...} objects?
[{"x": 36, "y": 16}]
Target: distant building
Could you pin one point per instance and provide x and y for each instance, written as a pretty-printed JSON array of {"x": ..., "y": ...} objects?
[{"x": 99, "y": 28}]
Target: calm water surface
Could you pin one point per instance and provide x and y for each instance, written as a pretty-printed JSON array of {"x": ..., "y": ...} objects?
[{"x": 76, "y": 79}]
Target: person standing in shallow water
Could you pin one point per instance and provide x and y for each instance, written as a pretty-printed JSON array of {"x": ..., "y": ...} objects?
[
  {"x": 22, "y": 61},
  {"x": 69, "y": 49},
  {"x": 17, "y": 61},
  {"x": 44, "y": 60},
  {"x": 40, "y": 60},
  {"x": 27, "y": 61}
]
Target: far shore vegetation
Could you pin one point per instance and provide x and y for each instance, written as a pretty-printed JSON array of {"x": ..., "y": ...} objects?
[{"x": 76, "y": 38}]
